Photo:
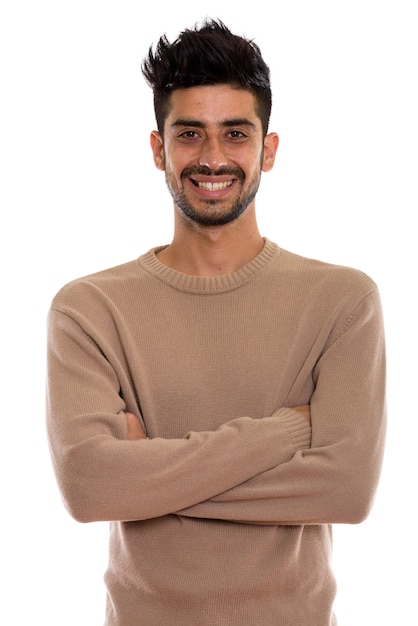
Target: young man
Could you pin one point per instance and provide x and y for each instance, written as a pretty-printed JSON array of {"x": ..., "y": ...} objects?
[{"x": 220, "y": 400}]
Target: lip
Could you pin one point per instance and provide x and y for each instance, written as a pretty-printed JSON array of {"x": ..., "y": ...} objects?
[
  {"x": 201, "y": 178},
  {"x": 213, "y": 186}
]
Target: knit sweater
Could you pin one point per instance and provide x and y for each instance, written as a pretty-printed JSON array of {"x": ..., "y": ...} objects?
[{"x": 222, "y": 517}]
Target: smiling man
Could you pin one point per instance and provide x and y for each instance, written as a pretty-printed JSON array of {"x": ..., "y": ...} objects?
[
  {"x": 213, "y": 152},
  {"x": 219, "y": 400}
]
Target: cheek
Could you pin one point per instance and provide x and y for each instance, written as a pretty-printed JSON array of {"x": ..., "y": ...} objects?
[
  {"x": 175, "y": 164},
  {"x": 252, "y": 162},
  {"x": 172, "y": 177},
  {"x": 254, "y": 168}
]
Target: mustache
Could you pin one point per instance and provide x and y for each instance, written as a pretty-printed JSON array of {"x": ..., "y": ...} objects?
[{"x": 203, "y": 170}]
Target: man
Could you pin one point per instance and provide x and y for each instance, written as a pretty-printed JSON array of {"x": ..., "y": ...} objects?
[{"x": 219, "y": 400}]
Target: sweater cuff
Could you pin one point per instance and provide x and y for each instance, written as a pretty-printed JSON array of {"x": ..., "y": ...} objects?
[{"x": 298, "y": 427}]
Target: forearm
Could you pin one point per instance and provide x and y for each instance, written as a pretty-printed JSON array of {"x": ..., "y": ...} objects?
[
  {"x": 311, "y": 488},
  {"x": 251, "y": 470},
  {"x": 104, "y": 478},
  {"x": 336, "y": 479}
]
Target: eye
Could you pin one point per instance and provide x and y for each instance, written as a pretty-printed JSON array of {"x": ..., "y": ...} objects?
[
  {"x": 236, "y": 135},
  {"x": 188, "y": 134}
]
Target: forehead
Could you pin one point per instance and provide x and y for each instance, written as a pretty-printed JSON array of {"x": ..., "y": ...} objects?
[{"x": 212, "y": 104}]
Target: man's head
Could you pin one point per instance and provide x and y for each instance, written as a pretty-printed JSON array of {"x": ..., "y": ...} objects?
[{"x": 209, "y": 55}]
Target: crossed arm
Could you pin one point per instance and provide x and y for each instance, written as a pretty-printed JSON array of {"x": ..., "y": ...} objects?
[
  {"x": 135, "y": 431},
  {"x": 273, "y": 470}
]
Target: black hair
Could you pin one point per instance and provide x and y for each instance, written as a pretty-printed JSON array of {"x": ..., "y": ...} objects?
[{"x": 207, "y": 55}]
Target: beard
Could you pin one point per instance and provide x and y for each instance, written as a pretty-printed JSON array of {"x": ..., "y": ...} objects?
[{"x": 214, "y": 212}]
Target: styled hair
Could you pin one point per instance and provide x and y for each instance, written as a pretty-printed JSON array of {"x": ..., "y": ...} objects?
[{"x": 207, "y": 55}]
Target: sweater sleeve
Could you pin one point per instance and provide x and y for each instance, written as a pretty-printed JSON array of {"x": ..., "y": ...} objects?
[
  {"x": 335, "y": 480},
  {"x": 103, "y": 476}
]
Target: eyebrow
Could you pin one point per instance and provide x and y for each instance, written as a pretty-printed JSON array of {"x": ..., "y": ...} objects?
[{"x": 240, "y": 121}]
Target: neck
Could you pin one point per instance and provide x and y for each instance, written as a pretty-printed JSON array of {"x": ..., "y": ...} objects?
[{"x": 214, "y": 250}]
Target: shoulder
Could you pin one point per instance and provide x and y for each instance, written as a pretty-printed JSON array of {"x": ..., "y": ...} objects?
[
  {"x": 316, "y": 275},
  {"x": 110, "y": 288},
  {"x": 338, "y": 295},
  {"x": 322, "y": 290},
  {"x": 103, "y": 281}
]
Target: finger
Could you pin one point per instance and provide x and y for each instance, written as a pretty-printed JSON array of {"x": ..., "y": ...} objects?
[{"x": 134, "y": 428}]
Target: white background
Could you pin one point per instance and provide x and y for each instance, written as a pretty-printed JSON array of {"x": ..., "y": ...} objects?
[{"x": 79, "y": 193}]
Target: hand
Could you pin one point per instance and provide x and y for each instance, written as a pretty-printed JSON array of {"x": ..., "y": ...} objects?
[
  {"x": 305, "y": 410},
  {"x": 135, "y": 430}
]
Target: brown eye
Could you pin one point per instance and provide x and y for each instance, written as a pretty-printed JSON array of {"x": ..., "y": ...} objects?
[{"x": 189, "y": 134}]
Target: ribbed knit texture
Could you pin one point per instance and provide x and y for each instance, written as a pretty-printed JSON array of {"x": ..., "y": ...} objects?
[{"x": 222, "y": 517}]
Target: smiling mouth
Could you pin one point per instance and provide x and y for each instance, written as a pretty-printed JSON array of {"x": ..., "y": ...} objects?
[{"x": 209, "y": 186}]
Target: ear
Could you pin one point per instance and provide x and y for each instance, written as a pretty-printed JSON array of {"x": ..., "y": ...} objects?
[
  {"x": 271, "y": 143},
  {"x": 157, "y": 149}
]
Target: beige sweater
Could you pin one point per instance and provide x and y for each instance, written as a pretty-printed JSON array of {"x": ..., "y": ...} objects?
[{"x": 222, "y": 517}]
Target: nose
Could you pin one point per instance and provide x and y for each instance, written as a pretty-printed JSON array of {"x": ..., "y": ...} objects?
[{"x": 212, "y": 154}]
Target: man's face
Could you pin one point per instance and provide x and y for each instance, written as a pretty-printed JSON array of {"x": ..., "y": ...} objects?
[{"x": 213, "y": 153}]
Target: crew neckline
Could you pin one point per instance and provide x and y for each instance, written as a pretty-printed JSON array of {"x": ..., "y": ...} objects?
[{"x": 208, "y": 284}]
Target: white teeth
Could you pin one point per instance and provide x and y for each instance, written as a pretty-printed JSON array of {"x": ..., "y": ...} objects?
[{"x": 215, "y": 186}]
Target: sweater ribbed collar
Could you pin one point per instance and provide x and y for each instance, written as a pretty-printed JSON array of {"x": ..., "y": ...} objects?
[{"x": 209, "y": 284}]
